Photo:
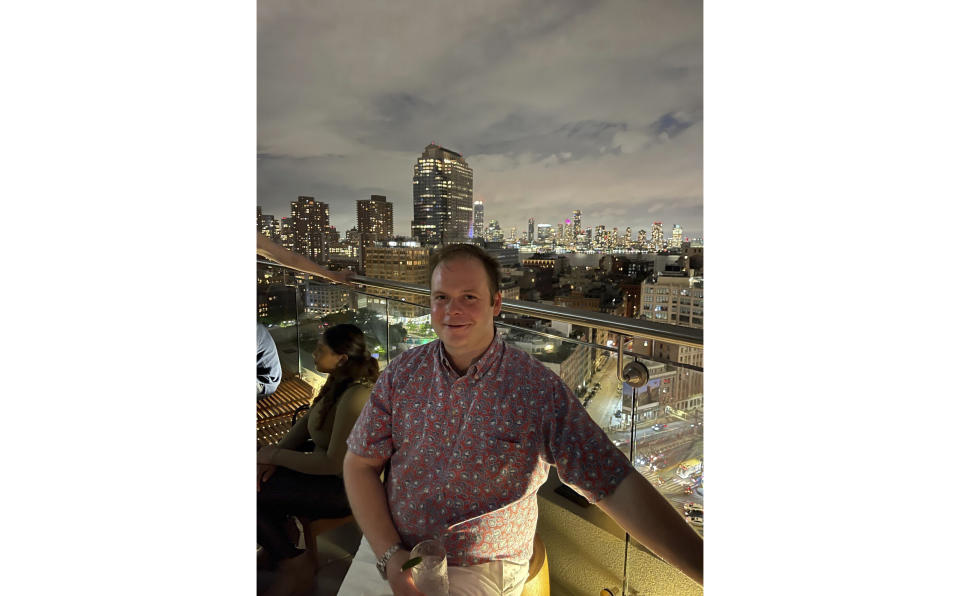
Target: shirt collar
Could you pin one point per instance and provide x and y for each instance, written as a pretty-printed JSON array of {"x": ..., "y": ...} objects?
[{"x": 482, "y": 366}]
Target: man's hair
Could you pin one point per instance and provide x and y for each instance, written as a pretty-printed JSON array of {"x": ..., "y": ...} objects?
[{"x": 460, "y": 251}]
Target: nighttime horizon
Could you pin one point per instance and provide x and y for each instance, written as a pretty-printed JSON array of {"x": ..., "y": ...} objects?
[{"x": 571, "y": 232}]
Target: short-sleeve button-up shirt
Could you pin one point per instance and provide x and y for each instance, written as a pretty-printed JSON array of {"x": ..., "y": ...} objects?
[{"x": 468, "y": 452}]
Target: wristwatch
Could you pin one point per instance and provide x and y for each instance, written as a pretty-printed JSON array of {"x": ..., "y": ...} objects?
[{"x": 382, "y": 563}]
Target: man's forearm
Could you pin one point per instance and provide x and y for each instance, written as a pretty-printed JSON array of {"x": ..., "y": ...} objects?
[
  {"x": 368, "y": 501},
  {"x": 651, "y": 519}
]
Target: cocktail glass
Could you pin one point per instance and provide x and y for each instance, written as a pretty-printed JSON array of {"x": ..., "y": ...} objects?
[{"x": 430, "y": 575}]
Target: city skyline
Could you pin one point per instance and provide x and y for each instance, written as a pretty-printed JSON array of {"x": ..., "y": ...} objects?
[
  {"x": 555, "y": 106},
  {"x": 633, "y": 233}
]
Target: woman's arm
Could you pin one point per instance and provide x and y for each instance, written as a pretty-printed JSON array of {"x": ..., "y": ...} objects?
[
  {"x": 297, "y": 435},
  {"x": 329, "y": 460}
]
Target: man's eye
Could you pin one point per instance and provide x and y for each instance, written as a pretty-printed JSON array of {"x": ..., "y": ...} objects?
[{"x": 469, "y": 297}]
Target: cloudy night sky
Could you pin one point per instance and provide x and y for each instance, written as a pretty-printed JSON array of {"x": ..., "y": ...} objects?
[{"x": 556, "y": 105}]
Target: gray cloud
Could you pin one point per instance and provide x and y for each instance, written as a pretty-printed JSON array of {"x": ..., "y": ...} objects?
[{"x": 556, "y": 105}]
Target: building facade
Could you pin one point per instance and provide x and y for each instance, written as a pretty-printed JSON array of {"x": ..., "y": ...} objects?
[
  {"x": 493, "y": 232},
  {"x": 324, "y": 298},
  {"x": 442, "y": 197},
  {"x": 476, "y": 230},
  {"x": 267, "y": 225},
  {"x": 677, "y": 239},
  {"x": 399, "y": 263},
  {"x": 374, "y": 220},
  {"x": 309, "y": 223},
  {"x": 579, "y": 301},
  {"x": 673, "y": 299}
]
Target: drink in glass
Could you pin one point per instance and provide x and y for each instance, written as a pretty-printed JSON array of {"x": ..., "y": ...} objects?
[{"x": 430, "y": 575}]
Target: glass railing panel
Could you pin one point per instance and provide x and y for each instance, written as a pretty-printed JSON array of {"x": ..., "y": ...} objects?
[
  {"x": 411, "y": 312},
  {"x": 279, "y": 309},
  {"x": 345, "y": 305},
  {"x": 571, "y": 352},
  {"x": 662, "y": 423}
]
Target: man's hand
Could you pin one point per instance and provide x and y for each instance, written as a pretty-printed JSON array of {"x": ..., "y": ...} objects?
[
  {"x": 264, "y": 472},
  {"x": 401, "y": 582}
]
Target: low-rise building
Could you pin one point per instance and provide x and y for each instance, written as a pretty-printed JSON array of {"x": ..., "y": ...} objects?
[
  {"x": 674, "y": 299},
  {"x": 324, "y": 298},
  {"x": 577, "y": 300},
  {"x": 399, "y": 263}
]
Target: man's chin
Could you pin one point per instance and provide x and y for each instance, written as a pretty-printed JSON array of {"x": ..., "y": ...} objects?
[{"x": 452, "y": 338}]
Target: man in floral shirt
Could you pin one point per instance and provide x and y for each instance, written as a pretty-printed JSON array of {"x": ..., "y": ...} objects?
[{"x": 471, "y": 426}]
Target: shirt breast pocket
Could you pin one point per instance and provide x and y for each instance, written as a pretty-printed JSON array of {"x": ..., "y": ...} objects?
[{"x": 508, "y": 460}]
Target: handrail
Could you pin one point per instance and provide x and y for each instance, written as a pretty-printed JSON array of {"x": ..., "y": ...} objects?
[{"x": 685, "y": 336}]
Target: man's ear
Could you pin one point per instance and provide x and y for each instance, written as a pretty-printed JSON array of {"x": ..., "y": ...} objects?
[{"x": 497, "y": 303}]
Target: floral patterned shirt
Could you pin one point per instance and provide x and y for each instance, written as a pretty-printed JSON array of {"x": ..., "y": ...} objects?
[{"x": 468, "y": 453}]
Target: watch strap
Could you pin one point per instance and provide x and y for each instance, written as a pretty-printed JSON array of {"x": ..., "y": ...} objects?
[{"x": 382, "y": 562}]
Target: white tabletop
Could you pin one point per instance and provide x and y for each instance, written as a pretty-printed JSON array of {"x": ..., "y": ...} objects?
[{"x": 362, "y": 578}]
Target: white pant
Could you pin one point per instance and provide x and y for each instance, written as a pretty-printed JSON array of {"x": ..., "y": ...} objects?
[{"x": 497, "y": 578}]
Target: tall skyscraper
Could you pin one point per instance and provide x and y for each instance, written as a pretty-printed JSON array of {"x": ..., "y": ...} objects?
[
  {"x": 374, "y": 219},
  {"x": 309, "y": 220},
  {"x": 576, "y": 222},
  {"x": 442, "y": 197},
  {"x": 531, "y": 230},
  {"x": 642, "y": 238},
  {"x": 677, "y": 239},
  {"x": 477, "y": 228},
  {"x": 656, "y": 236}
]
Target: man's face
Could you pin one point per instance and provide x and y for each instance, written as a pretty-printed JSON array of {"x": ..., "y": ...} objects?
[{"x": 460, "y": 308}]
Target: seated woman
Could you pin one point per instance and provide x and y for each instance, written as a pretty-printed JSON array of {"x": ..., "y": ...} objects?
[{"x": 291, "y": 482}]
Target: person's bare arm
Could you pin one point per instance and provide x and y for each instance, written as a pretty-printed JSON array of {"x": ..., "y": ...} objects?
[
  {"x": 273, "y": 251},
  {"x": 297, "y": 435},
  {"x": 368, "y": 501},
  {"x": 327, "y": 460},
  {"x": 651, "y": 519}
]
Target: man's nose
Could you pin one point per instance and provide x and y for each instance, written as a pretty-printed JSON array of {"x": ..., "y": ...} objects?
[{"x": 454, "y": 305}]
